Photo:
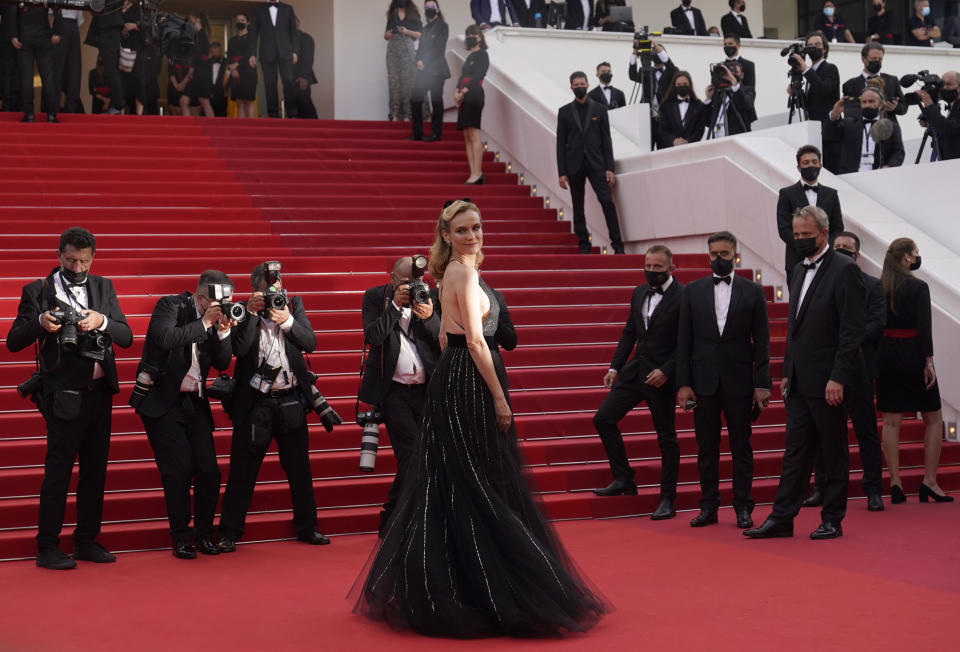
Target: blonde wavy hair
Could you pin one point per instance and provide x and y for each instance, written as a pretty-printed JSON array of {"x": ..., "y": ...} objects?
[{"x": 441, "y": 252}]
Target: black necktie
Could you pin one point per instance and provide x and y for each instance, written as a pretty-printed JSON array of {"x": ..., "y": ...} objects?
[{"x": 717, "y": 280}]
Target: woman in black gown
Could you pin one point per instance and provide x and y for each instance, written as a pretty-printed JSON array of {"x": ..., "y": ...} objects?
[
  {"x": 469, "y": 99},
  {"x": 467, "y": 552},
  {"x": 243, "y": 69},
  {"x": 201, "y": 86},
  {"x": 908, "y": 379}
]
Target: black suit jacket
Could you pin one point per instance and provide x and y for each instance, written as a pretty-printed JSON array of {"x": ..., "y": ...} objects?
[
  {"x": 666, "y": 77},
  {"x": 381, "y": 330},
  {"x": 100, "y": 22},
  {"x": 174, "y": 327},
  {"x": 876, "y": 322},
  {"x": 849, "y": 133},
  {"x": 824, "y": 338},
  {"x": 743, "y": 99},
  {"x": 617, "y": 98},
  {"x": 575, "y": 14},
  {"x": 823, "y": 90},
  {"x": 246, "y": 347},
  {"x": 945, "y": 127},
  {"x": 749, "y": 71},
  {"x": 67, "y": 371},
  {"x": 29, "y": 24},
  {"x": 855, "y": 85},
  {"x": 794, "y": 197},
  {"x": 432, "y": 50},
  {"x": 690, "y": 128},
  {"x": 734, "y": 362},
  {"x": 678, "y": 18},
  {"x": 656, "y": 346},
  {"x": 730, "y": 25},
  {"x": 277, "y": 42},
  {"x": 579, "y": 144},
  {"x": 305, "y": 56},
  {"x": 480, "y": 11},
  {"x": 526, "y": 16}
]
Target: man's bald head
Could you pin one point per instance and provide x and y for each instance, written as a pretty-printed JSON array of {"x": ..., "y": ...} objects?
[
  {"x": 952, "y": 76},
  {"x": 402, "y": 271}
]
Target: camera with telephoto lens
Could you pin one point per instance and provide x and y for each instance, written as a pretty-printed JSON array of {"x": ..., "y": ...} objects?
[
  {"x": 801, "y": 49},
  {"x": 67, "y": 318},
  {"x": 328, "y": 416},
  {"x": 932, "y": 84},
  {"x": 147, "y": 377},
  {"x": 419, "y": 291},
  {"x": 718, "y": 76},
  {"x": 222, "y": 293},
  {"x": 370, "y": 440},
  {"x": 30, "y": 387}
]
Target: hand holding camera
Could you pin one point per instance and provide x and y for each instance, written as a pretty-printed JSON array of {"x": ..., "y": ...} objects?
[
  {"x": 50, "y": 323},
  {"x": 91, "y": 321},
  {"x": 212, "y": 315}
]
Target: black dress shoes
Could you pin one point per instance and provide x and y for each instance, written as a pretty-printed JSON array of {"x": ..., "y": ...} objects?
[
  {"x": 314, "y": 538},
  {"x": 770, "y": 530},
  {"x": 52, "y": 117},
  {"x": 896, "y": 494},
  {"x": 813, "y": 500},
  {"x": 207, "y": 547},
  {"x": 705, "y": 517},
  {"x": 432, "y": 138},
  {"x": 744, "y": 520},
  {"x": 875, "y": 503},
  {"x": 28, "y": 117},
  {"x": 227, "y": 545},
  {"x": 94, "y": 552},
  {"x": 618, "y": 487},
  {"x": 414, "y": 137},
  {"x": 666, "y": 509},
  {"x": 184, "y": 550},
  {"x": 55, "y": 559},
  {"x": 827, "y": 531}
]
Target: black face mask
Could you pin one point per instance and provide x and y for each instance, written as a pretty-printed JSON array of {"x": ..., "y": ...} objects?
[
  {"x": 683, "y": 92},
  {"x": 72, "y": 277},
  {"x": 430, "y": 13},
  {"x": 869, "y": 114},
  {"x": 915, "y": 265},
  {"x": 873, "y": 67},
  {"x": 949, "y": 96},
  {"x": 656, "y": 279},
  {"x": 878, "y": 8},
  {"x": 686, "y": 3},
  {"x": 845, "y": 252},
  {"x": 606, "y": 78},
  {"x": 816, "y": 54},
  {"x": 806, "y": 247},
  {"x": 810, "y": 174},
  {"x": 580, "y": 92},
  {"x": 721, "y": 266},
  {"x": 241, "y": 26},
  {"x": 729, "y": 50},
  {"x": 471, "y": 42}
]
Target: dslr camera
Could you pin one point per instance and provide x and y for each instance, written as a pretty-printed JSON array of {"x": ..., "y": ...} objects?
[
  {"x": 223, "y": 293},
  {"x": 932, "y": 84},
  {"x": 88, "y": 345},
  {"x": 419, "y": 291},
  {"x": 328, "y": 416},
  {"x": 797, "y": 48},
  {"x": 370, "y": 422},
  {"x": 273, "y": 298},
  {"x": 718, "y": 76}
]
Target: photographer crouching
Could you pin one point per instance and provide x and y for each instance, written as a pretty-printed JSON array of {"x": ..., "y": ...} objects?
[
  {"x": 403, "y": 332},
  {"x": 74, "y": 318},
  {"x": 272, "y": 395},
  {"x": 945, "y": 128}
]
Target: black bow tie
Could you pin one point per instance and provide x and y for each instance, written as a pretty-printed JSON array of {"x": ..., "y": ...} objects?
[
  {"x": 717, "y": 280},
  {"x": 810, "y": 265},
  {"x": 656, "y": 290},
  {"x": 815, "y": 188},
  {"x": 684, "y": 101},
  {"x": 82, "y": 286}
]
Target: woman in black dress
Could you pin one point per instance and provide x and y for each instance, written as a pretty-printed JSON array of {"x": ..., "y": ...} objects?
[
  {"x": 201, "y": 85},
  {"x": 908, "y": 379},
  {"x": 469, "y": 99},
  {"x": 243, "y": 69},
  {"x": 403, "y": 28},
  {"x": 466, "y": 552}
]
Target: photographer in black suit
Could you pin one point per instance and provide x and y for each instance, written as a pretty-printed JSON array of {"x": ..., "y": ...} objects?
[
  {"x": 822, "y": 364},
  {"x": 76, "y": 386},
  {"x": 688, "y": 20},
  {"x": 28, "y": 29},
  {"x": 605, "y": 93},
  {"x": 649, "y": 376},
  {"x": 733, "y": 111},
  {"x": 723, "y": 366},
  {"x": 187, "y": 335},
  {"x": 946, "y": 128},
  {"x": 270, "y": 402},
  {"x": 663, "y": 71},
  {"x": 104, "y": 33},
  {"x": 404, "y": 347},
  {"x": 806, "y": 192},
  {"x": 859, "y": 403},
  {"x": 585, "y": 151},
  {"x": 274, "y": 27},
  {"x": 872, "y": 57},
  {"x": 868, "y": 140},
  {"x": 823, "y": 78}
]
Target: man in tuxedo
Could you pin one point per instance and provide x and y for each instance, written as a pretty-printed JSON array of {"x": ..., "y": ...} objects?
[
  {"x": 28, "y": 29},
  {"x": 663, "y": 71},
  {"x": 67, "y": 60},
  {"x": 490, "y": 13},
  {"x": 946, "y": 128},
  {"x": 605, "y": 93},
  {"x": 732, "y": 103},
  {"x": 585, "y": 151},
  {"x": 579, "y": 14},
  {"x": 272, "y": 388},
  {"x": 650, "y": 376},
  {"x": 404, "y": 339},
  {"x": 274, "y": 27},
  {"x": 806, "y": 192},
  {"x": 735, "y": 22},
  {"x": 528, "y": 10},
  {"x": 872, "y": 57},
  {"x": 731, "y": 49},
  {"x": 683, "y": 117},
  {"x": 823, "y": 362},
  {"x": 303, "y": 76},
  {"x": 823, "y": 78},
  {"x": 723, "y": 366},
  {"x": 866, "y": 141},
  {"x": 104, "y": 34},
  {"x": 187, "y": 335},
  {"x": 215, "y": 67},
  {"x": 77, "y": 386},
  {"x": 859, "y": 403},
  {"x": 688, "y": 20}
]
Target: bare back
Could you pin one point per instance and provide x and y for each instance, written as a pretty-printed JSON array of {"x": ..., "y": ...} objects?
[{"x": 464, "y": 304}]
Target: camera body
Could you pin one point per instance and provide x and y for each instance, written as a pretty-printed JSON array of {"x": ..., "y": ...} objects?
[
  {"x": 274, "y": 299},
  {"x": 718, "y": 76},
  {"x": 419, "y": 290},
  {"x": 798, "y": 48},
  {"x": 370, "y": 440},
  {"x": 931, "y": 84},
  {"x": 223, "y": 293},
  {"x": 67, "y": 318}
]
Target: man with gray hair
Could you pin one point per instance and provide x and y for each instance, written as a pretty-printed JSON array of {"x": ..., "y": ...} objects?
[
  {"x": 824, "y": 332},
  {"x": 945, "y": 128}
]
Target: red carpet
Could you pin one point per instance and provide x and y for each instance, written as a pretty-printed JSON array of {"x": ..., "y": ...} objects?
[{"x": 891, "y": 583}]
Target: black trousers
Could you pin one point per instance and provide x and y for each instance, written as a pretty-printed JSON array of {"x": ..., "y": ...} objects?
[
  {"x": 422, "y": 85},
  {"x": 182, "y": 442},
  {"x": 110, "y": 54},
  {"x": 598, "y": 180},
  {"x": 9, "y": 77},
  {"x": 863, "y": 414},
  {"x": 86, "y": 438},
  {"x": 66, "y": 65},
  {"x": 41, "y": 51},
  {"x": 293, "y": 445},
  {"x": 282, "y": 70},
  {"x": 219, "y": 103},
  {"x": 623, "y": 397},
  {"x": 706, "y": 421},
  {"x": 813, "y": 426},
  {"x": 402, "y": 411}
]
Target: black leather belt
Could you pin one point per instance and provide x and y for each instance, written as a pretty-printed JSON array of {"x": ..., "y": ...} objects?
[{"x": 277, "y": 393}]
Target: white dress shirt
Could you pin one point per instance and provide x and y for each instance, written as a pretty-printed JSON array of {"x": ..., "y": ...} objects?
[
  {"x": 689, "y": 13},
  {"x": 273, "y": 351},
  {"x": 738, "y": 16},
  {"x": 73, "y": 14},
  {"x": 869, "y": 152},
  {"x": 409, "y": 369},
  {"x": 811, "y": 194},
  {"x": 79, "y": 299},
  {"x": 193, "y": 380},
  {"x": 653, "y": 300},
  {"x": 721, "y": 301},
  {"x": 810, "y": 273},
  {"x": 607, "y": 93},
  {"x": 216, "y": 72},
  {"x": 273, "y": 13}
]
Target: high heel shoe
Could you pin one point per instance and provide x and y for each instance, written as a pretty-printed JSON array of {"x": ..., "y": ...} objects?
[
  {"x": 476, "y": 182},
  {"x": 896, "y": 495},
  {"x": 926, "y": 493}
]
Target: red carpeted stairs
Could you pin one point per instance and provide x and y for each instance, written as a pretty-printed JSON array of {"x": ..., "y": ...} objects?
[{"x": 337, "y": 203}]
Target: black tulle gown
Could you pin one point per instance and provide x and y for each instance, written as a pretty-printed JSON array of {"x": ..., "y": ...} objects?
[{"x": 467, "y": 553}]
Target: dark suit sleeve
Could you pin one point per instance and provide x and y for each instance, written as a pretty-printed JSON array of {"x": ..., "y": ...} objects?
[
  {"x": 514, "y": 17},
  {"x": 744, "y": 99},
  {"x": 944, "y": 127},
  {"x": 506, "y": 335},
  {"x": 628, "y": 338},
  {"x": 824, "y": 83},
  {"x": 26, "y": 328},
  {"x": 253, "y": 30},
  {"x": 378, "y": 322},
  {"x": 117, "y": 327},
  {"x": 785, "y": 217},
  {"x": 633, "y": 72},
  {"x": 607, "y": 141},
  {"x": 684, "y": 341},
  {"x": 293, "y": 33},
  {"x": 301, "y": 335},
  {"x": 876, "y": 313},
  {"x": 836, "y": 219},
  {"x": 163, "y": 328},
  {"x": 895, "y": 145},
  {"x": 11, "y": 17},
  {"x": 244, "y": 335},
  {"x": 305, "y": 58},
  {"x": 561, "y": 144},
  {"x": 58, "y": 23},
  {"x": 851, "y": 300},
  {"x": 475, "y": 11},
  {"x": 220, "y": 351},
  {"x": 924, "y": 320},
  {"x": 761, "y": 341}
]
